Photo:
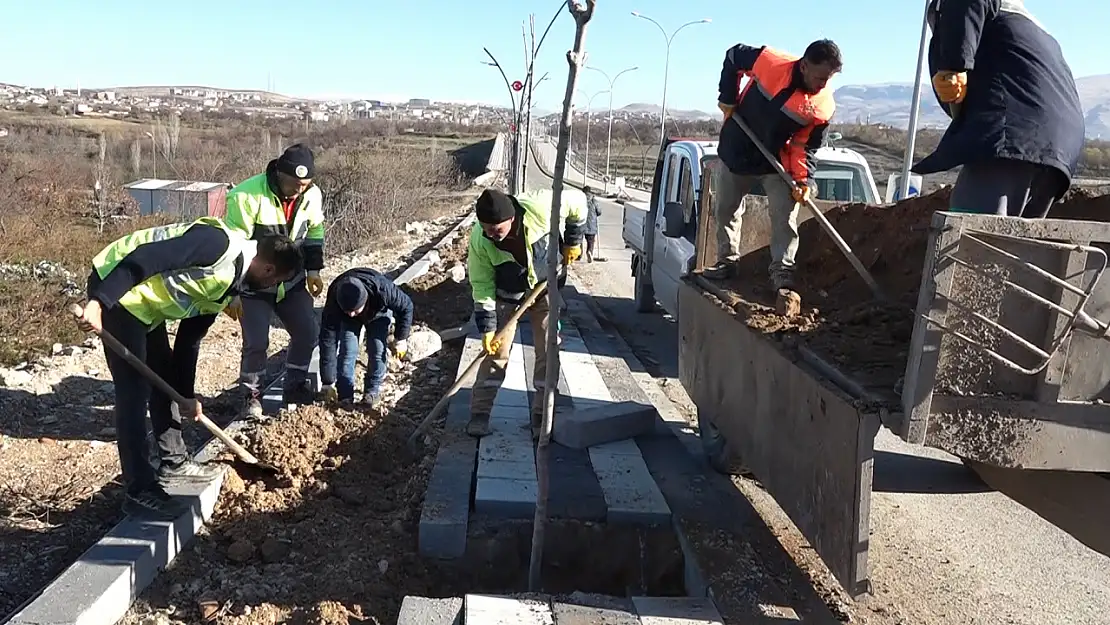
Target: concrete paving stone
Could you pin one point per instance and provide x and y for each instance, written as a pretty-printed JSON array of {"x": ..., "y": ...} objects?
[
  {"x": 495, "y": 610},
  {"x": 626, "y": 447},
  {"x": 505, "y": 498},
  {"x": 98, "y": 588},
  {"x": 677, "y": 611},
  {"x": 511, "y": 445},
  {"x": 574, "y": 489},
  {"x": 426, "y": 611},
  {"x": 446, "y": 508},
  {"x": 582, "y": 609},
  {"x": 605, "y": 424},
  {"x": 506, "y": 470},
  {"x": 631, "y": 494},
  {"x": 513, "y": 397}
]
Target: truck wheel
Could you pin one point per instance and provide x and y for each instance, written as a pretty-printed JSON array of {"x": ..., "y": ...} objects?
[
  {"x": 643, "y": 293},
  {"x": 717, "y": 453}
]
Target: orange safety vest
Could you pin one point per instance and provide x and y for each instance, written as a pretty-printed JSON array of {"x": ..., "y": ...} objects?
[{"x": 772, "y": 73}]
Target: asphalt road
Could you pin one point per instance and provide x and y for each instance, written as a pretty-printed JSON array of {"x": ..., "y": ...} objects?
[{"x": 945, "y": 549}]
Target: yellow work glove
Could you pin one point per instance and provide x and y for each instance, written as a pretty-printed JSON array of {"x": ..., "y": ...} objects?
[
  {"x": 490, "y": 344},
  {"x": 800, "y": 192},
  {"x": 951, "y": 86},
  {"x": 572, "y": 253},
  {"x": 234, "y": 309},
  {"x": 726, "y": 110},
  {"x": 401, "y": 348},
  {"x": 314, "y": 283}
]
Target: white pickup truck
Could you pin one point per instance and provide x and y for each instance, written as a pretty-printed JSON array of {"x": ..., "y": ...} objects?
[{"x": 662, "y": 233}]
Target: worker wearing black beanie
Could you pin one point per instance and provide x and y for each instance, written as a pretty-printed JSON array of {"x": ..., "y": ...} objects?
[{"x": 506, "y": 258}]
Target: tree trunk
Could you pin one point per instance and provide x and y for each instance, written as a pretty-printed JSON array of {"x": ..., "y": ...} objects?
[{"x": 575, "y": 58}]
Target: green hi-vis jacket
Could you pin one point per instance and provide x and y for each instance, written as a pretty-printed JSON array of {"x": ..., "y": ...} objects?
[
  {"x": 255, "y": 210},
  {"x": 494, "y": 273},
  {"x": 185, "y": 292}
]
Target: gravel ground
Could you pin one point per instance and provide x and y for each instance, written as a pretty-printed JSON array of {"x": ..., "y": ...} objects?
[{"x": 59, "y": 472}]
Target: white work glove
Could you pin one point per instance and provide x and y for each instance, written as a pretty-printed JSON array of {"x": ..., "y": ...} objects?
[
  {"x": 401, "y": 348},
  {"x": 329, "y": 393}
]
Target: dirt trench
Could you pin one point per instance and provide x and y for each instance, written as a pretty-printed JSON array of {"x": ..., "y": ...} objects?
[{"x": 840, "y": 320}]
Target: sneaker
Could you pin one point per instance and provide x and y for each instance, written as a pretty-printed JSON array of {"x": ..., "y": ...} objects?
[
  {"x": 153, "y": 503},
  {"x": 720, "y": 271},
  {"x": 188, "y": 472}
]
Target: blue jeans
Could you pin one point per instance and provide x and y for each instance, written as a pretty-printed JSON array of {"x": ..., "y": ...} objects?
[{"x": 377, "y": 356}]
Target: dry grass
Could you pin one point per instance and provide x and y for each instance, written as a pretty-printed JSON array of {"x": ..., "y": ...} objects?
[{"x": 50, "y": 229}]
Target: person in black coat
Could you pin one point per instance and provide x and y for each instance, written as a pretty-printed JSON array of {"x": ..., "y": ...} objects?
[
  {"x": 1017, "y": 124},
  {"x": 361, "y": 298}
]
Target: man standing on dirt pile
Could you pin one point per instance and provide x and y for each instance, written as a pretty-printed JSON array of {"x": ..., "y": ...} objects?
[
  {"x": 281, "y": 200},
  {"x": 1017, "y": 123},
  {"x": 787, "y": 103},
  {"x": 187, "y": 271},
  {"x": 506, "y": 257},
  {"x": 361, "y": 298}
]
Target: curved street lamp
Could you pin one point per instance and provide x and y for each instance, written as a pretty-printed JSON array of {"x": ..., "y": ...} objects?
[
  {"x": 586, "y": 166},
  {"x": 609, "y": 139},
  {"x": 667, "y": 66},
  {"x": 514, "y": 181}
]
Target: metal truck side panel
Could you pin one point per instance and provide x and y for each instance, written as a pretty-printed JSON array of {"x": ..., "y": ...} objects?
[{"x": 811, "y": 449}]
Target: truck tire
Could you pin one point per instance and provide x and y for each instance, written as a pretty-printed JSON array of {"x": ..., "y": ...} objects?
[
  {"x": 643, "y": 292},
  {"x": 715, "y": 447}
]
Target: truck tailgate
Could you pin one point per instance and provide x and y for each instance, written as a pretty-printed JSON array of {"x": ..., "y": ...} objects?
[{"x": 635, "y": 214}]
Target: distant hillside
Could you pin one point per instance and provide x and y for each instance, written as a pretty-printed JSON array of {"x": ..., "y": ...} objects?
[
  {"x": 164, "y": 90},
  {"x": 653, "y": 109},
  {"x": 889, "y": 103}
]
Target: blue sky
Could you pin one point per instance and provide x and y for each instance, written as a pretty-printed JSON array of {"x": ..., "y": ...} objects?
[{"x": 433, "y": 48}]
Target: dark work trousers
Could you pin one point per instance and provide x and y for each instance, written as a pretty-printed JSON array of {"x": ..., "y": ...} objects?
[
  {"x": 1029, "y": 189},
  {"x": 135, "y": 395}
]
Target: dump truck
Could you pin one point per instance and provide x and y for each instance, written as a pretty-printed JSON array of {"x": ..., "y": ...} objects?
[{"x": 990, "y": 345}]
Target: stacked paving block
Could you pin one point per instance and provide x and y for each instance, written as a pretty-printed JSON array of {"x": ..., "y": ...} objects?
[
  {"x": 576, "y": 609},
  {"x": 506, "y": 458}
]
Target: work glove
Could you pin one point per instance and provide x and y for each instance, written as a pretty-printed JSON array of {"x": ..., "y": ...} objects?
[
  {"x": 315, "y": 283},
  {"x": 490, "y": 344},
  {"x": 572, "y": 253},
  {"x": 800, "y": 192},
  {"x": 329, "y": 394},
  {"x": 234, "y": 308},
  {"x": 951, "y": 86},
  {"x": 726, "y": 110},
  {"x": 401, "y": 348}
]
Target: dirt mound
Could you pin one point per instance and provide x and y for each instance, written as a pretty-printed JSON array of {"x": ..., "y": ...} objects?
[
  {"x": 442, "y": 301},
  {"x": 841, "y": 321}
]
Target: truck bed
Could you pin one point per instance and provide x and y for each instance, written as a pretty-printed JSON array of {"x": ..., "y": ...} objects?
[{"x": 866, "y": 339}]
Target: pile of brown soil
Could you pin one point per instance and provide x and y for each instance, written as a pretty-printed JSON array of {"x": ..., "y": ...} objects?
[{"x": 841, "y": 321}]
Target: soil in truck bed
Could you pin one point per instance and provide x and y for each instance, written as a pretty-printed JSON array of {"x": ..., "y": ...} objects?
[{"x": 840, "y": 321}]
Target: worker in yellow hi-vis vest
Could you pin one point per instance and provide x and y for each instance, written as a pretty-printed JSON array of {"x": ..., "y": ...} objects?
[{"x": 282, "y": 200}]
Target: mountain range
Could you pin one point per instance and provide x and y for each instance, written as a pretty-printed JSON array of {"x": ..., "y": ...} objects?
[{"x": 889, "y": 103}]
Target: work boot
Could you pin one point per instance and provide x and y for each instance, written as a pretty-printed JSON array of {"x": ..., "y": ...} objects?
[
  {"x": 371, "y": 402},
  {"x": 153, "y": 503},
  {"x": 252, "y": 404},
  {"x": 783, "y": 279},
  {"x": 297, "y": 393},
  {"x": 721, "y": 271},
  {"x": 478, "y": 426},
  {"x": 187, "y": 472}
]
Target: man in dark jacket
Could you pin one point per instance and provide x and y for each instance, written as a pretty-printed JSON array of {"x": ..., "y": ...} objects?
[
  {"x": 361, "y": 298},
  {"x": 788, "y": 104},
  {"x": 1017, "y": 124}
]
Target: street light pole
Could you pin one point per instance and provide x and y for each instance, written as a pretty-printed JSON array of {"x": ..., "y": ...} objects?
[
  {"x": 586, "y": 166},
  {"x": 609, "y": 139},
  {"x": 153, "y": 153},
  {"x": 514, "y": 180},
  {"x": 666, "y": 67}
]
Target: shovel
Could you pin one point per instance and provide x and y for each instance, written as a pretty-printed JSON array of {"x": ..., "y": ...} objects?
[
  {"x": 187, "y": 404},
  {"x": 817, "y": 214},
  {"x": 505, "y": 334}
]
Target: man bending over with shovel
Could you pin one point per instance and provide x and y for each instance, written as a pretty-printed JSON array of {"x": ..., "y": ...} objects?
[
  {"x": 186, "y": 271},
  {"x": 361, "y": 298},
  {"x": 507, "y": 257},
  {"x": 787, "y": 103}
]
